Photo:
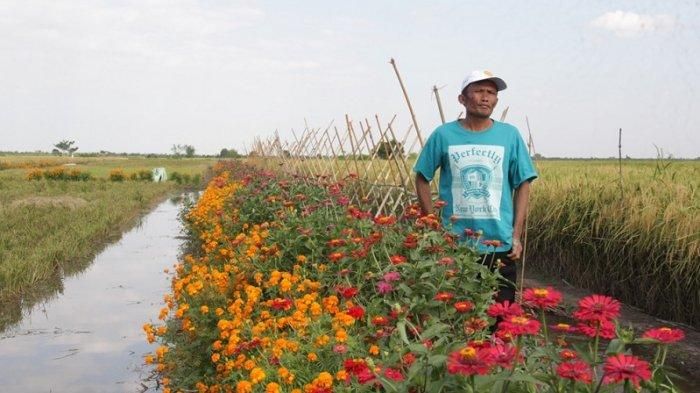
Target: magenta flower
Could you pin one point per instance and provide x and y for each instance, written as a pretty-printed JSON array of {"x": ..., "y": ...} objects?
[{"x": 384, "y": 287}]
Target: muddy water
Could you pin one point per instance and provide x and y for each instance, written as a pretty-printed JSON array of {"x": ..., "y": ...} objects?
[{"x": 89, "y": 338}]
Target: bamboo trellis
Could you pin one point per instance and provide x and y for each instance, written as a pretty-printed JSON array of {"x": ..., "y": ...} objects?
[{"x": 371, "y": 152}]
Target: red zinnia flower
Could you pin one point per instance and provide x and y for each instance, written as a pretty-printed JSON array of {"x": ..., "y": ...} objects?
[
  {"x": 336, "y": 242},
  {"x": 281, "y": 304},
  {"x": 380, "y": 320},
  {"x": 604, "y": 329},
  {"x": 519, "y": 325},
  {"x": 439, "y": 204},
  {"x": 622, "y": 367},
  {"x": 384, "y": 220},
  {"x": 356, "y": 312},
  {"x": 503, "y": 355},
  {"x": 347, "y": 292},
  {"x": 408, "y": 359},
  {"x": 491, "y": 243},
  {"x": 541, "y": 297},
  {"x": 597, "y": 308},
  {"x": 397, "y": 259},
  {"x": 464, "y": 306},
  {"x": 665, "y": 335},
  {"x": 444, "y": 296},
  {"x": 354, "y": 366},
  {"x": 470, "y": 361},
  {"x": 563, "y": 328},
  {"x": 504, "y": 310},
  {"x": 568, "y": 354},
  {"x": 335, "y": 256},
  {"x": 393, "y": 374},
  {"x": 578, "y": 371}
]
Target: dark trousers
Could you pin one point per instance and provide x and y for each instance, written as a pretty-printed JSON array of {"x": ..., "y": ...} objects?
[{"x": 506, "y": 287}]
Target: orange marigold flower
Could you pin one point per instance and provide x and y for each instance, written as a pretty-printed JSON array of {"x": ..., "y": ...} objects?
[
  {"x": 272, "y": 387},
  {"x": 312, "y": 357},
  {"x": 374, "y": 350},
  {"x": 244, "y": 387}
]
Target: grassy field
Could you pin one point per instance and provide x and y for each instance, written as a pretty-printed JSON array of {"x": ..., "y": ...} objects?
[
  {"x": 635, "y": 236},
  {"x": 50, "y": 228}
]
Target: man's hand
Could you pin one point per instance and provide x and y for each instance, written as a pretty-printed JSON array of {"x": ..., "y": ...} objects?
[{"x": 517, "y": 250}]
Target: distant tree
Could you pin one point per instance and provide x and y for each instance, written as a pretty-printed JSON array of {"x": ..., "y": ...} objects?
[
  {"x": 229, "y": 153},
  {"x": 66, "y": 147},
  {"x": 538, "y": 156},
  {"x": 389, "y": 149},
  {"x": 189, "y": 150},
  {"x": 56, "y": 152}
]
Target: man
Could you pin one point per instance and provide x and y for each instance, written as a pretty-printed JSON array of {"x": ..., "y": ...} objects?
[{"x": 485, "y": 175}]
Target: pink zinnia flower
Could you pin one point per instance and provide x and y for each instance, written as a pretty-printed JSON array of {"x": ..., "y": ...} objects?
[
  {"x": 470, "y": 361},
  {"x": 392, "y": 276},
  {"x": 384, "y": 287}
]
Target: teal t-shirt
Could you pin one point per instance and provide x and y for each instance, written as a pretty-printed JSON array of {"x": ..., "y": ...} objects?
[{"x": 478, "y": 173}]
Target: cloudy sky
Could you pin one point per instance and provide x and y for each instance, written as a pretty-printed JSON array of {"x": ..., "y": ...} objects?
[{"x": 142, "y": 75}]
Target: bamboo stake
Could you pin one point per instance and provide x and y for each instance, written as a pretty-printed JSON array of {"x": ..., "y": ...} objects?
[
  {"x": 408, "y": 101},
  {"x": 439, "y": 104},
  {"x": 503, "y": 115}
]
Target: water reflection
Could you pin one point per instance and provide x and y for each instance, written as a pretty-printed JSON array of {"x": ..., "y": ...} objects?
[{"x": 88, "y": 338}]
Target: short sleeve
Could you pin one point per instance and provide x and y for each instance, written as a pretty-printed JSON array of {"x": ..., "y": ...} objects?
[
  {"x": 430, "y": 157},
  {"x": 521, "y": 167}
]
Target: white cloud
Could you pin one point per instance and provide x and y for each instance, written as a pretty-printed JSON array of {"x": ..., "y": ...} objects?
[{"x": 630, "y": 24}]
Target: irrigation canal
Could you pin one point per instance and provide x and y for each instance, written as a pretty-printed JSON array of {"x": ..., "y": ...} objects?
[{"x": 88, "y": 338}]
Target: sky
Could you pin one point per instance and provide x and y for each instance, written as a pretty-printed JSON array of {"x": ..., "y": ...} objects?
[{"x": 144, "y": 75}]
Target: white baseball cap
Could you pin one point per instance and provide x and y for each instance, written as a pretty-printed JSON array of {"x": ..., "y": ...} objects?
[{"x": 483, "y": 75}]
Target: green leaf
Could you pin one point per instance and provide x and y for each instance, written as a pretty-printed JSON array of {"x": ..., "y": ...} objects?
[
  {"x": 437, "y": 360},
  {"x": 615, "y": 346},
  {"x": 401, "y": 327},
  {"x": 434, "y": 330},
  {"x": 418, "y": 348}
]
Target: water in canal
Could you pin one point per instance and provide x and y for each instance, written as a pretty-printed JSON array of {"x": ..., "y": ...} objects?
[{"x": 88, "y": 338}]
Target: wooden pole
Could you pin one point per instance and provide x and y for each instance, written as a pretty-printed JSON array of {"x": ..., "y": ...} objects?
[
  {"x": 408, "y": 102},
  {"x": 439, "y": 104}
]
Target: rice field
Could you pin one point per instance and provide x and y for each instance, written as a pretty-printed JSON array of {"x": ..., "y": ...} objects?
[{"x": 52, "y": 228}]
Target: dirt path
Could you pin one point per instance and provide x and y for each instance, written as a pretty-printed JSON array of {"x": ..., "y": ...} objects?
[{"x": 683, "y": 356}]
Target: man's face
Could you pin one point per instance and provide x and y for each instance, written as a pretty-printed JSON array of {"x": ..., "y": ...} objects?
[{"x": 479, "y": 99}]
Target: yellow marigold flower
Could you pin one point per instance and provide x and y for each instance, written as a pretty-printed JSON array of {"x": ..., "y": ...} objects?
[
  {"x": 341, "y": 335},
  {"x": 285, "y": 285},
  {"x": 148, "y": 359},
  {"x": 272, "y": 387},
  {"x": 316, "y": 309},
  {"x": 215, "y": 357},
  {"x": 219, "y": 311},
  {"x": 204, "y": 309},
  {"x": 322, "y": 340},
  {"x": 301, "y": 258},
  {"x": 244, "y": 387},
  {"x": 312, "y": 357},
  {"x": 257, "y": 375},
  {"x": 296, "y": 391},
  {"x": 374, "y": 350}
]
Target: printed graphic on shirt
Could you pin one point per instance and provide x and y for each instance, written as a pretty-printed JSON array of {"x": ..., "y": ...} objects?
[{"x": 477, "y": 180}]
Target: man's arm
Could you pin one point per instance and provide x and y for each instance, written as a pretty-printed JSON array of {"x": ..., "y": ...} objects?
[
  {"x": 423, "y": 193},
  {"x": 522, "y": 194}
]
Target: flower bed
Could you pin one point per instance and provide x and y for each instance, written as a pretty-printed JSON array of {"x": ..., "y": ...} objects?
[{"x": 294, "y": 288}]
